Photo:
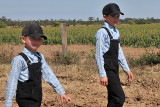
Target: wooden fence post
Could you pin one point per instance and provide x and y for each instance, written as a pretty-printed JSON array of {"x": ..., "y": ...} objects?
[{"x": 64, "y": 39}]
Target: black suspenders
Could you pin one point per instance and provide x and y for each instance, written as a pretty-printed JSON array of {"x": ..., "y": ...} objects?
[
  {"x": 26, "y": 58},
  {"x": 111, "y": 37}
]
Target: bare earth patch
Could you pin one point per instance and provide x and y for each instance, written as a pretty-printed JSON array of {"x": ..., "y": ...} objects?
[
  {"x": 47, "y": 50},
  {"x": 81, "y": 81}
]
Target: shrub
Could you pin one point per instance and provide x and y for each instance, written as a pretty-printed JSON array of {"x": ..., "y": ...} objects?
[
  {"x": 6, "y": 56},
  {"x": 70, "y": 58},
  {"x": 131, "y": 22},
  {"x": 2, "y": 24},
  {"x": 146, "y": 59}
]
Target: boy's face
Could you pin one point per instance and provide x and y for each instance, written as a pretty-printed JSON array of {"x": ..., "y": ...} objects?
[
  {"x": 32, "y": 43},
  {"x": 112, "y": 20}
]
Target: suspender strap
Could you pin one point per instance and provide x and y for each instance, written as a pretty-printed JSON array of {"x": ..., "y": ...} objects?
[
  {"x": 111, "y": 37},
  {"x": 25, "y": 58},
  {"x": 39, "y": 59}
]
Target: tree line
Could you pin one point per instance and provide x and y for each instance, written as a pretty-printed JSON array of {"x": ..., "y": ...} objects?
[{"x": 91, "y": 21}]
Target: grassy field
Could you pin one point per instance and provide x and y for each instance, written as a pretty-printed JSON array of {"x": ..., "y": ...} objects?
[
  {"x": 78, "y": 72},
  {"x": 81, "y": 79},
  {"x": 147, "y": 35}
]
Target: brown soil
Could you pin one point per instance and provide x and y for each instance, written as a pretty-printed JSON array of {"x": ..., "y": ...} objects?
[
  {"x": 81, "y": 81},
  {"x": 47, "y": 50}
]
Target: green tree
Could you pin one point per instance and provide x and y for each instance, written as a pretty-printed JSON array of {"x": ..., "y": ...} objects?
[
  {"x": 55, "y": 24},
  {"x": 131, "y": 22},
  {"x": 2, "y": 24},
  {"x": 91, "y": 18}
]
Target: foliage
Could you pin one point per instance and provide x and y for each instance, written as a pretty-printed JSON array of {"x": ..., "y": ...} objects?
[
  {"x": 70, "y": 58},
  {"x": 146, "y": 59},
  {"x": 142, "y": 21},
  {"x": 139, "y": 20},
  {"x": 6, "y": 56},
  {"x": 131, "y": 22},
  {"x": 90, "y": 21},
  {"x": 92, "y": 55},
  {"x": 10, "y": 35},
  {"x": 2, "y": 24},
  {"x": 145, "y": 35}
]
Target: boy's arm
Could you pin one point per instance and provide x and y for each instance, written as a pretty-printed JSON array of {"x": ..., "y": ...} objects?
[
  {"x": 50, "y": 77},
  {"x": 99, "y": 53},
  {"x": 99, "y": 57},
  {"x": 124, "y": 65},
  {"x": 16, "y": 67},
  {"x": 122, "y": 60}
]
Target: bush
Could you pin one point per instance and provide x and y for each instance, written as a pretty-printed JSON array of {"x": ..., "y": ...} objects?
[
  {"x": 142, "y": 21},
  {"x": 70, "y": 58},
  {"x": 131, "y": 22},
  {"x": 6, "y": 56},
  {"x": 146, "y": 59},
  {"x": 2, "y": 24},
  {"x": 55, "y": 24}
]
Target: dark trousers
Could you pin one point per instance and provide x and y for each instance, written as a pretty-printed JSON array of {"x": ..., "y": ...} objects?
[{"x": 116, "y": 96}]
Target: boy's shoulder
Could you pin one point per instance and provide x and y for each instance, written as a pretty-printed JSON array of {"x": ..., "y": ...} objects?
[
  {"x": 101, "y": 32},
  {"x": 17, "y": 59}
]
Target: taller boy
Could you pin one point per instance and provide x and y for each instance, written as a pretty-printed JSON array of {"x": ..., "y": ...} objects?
[{"x": 109, "y": 55}]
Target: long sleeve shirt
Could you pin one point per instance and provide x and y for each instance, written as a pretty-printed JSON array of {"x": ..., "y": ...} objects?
[
  {"x": 19, "y": 71},
  {"x": 102, "y": 46}
]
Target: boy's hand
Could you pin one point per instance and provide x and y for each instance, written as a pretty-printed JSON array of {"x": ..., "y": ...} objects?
[
  {"x": 104, "y": 81},
  {"x": 130, "y": 76},
  {"x": 64, "y": 96}
]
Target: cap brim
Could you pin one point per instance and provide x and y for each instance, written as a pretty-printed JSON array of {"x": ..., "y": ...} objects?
[
  {"x": 35, "y": 35},
  {"x": 119, "y": 12}
]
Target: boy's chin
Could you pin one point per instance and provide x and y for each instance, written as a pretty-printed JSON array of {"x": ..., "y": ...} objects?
[
  {"x": 34, "y": 48},
  {"x": 114, "y": 24}
]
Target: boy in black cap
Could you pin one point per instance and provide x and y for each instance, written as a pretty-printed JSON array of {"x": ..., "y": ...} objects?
[
  {"x": 27, "y": 69},
  {"x": 109, "y": 55}
]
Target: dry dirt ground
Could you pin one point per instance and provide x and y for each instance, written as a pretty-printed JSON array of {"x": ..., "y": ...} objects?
[{"x": 81, "y": 81}]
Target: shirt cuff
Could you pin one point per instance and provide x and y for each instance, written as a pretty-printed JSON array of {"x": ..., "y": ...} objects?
[
  {"x": 126, "y": 69},
  {"x": 8, "y": 103},
  {"x": 102, "y": 73},
  {"x": 59, "y": 89}
]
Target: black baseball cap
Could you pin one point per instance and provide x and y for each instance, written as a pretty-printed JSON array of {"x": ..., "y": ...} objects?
[
  {"x": 111, "y": 9},
  {"x": 33, "y": 30}
]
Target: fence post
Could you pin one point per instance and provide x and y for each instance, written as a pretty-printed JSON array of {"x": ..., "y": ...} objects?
[{"x": 64, "y": 39}]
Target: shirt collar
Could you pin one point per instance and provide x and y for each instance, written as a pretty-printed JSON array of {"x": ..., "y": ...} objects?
[
  {"x": 31, "y": 55},
  {"x": 109, "y": 26},
  {"x": 28, "y": 52}
]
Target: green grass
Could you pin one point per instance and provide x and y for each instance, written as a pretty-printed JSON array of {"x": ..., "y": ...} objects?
[
  {"x": 146, "y": 59},
  {"x": 147, "y": 35}
]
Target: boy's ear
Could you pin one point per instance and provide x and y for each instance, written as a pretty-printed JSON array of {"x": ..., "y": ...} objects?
[
  {"x": 23, "y": 39},
  {"x": 105, "y": 17}
]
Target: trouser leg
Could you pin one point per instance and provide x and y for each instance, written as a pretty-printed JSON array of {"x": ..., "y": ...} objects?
[{"x": 116, "y": 96}]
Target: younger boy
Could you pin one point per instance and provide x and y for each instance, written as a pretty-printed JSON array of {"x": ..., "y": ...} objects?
[
  {"x": 109, "y": 55},
  {"x": 27, "y": 69}
]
